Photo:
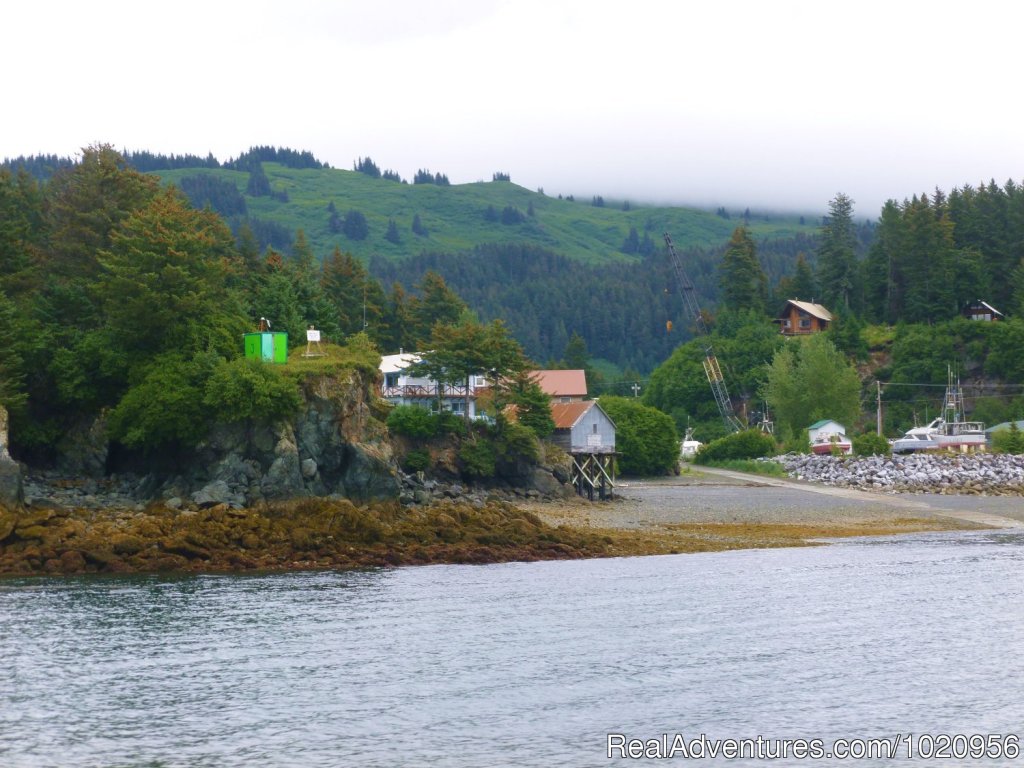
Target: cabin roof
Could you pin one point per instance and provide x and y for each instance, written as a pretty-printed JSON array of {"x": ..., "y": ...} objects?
[
  {"x": 399, "y": 362},
  {"x": 568, "y": 415},
  {"x": 810, "y": 308},
  {"x": 562, "y": 383},
  {"x": 986, "y": 305},
  {"x": 823, "y": 422}
]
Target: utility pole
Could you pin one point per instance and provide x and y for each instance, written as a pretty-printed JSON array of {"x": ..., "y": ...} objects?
[
  {"x": 635, "y": 388},
  {"x": 878, "y": 408}
]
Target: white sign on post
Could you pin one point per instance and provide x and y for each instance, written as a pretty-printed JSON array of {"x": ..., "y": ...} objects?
[{"x": 312, "y": 337}]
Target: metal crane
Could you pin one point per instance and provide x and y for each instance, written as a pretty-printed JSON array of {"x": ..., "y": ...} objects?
[{"x": 711, "y": 367}]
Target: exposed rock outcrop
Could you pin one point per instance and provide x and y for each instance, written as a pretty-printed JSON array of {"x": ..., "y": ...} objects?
[{"x": 11, "y": 486}]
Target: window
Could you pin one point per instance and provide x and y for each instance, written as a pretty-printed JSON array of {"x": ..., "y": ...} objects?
[{"x": 390, "y": 380}]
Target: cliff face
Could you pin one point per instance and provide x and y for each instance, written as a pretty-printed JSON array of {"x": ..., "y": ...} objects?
[
  {"x": 335, "y": 445},
  {"x": 11, "y": 489}
]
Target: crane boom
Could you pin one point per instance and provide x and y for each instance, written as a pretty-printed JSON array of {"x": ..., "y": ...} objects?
[{"x": 711, "y": 368}]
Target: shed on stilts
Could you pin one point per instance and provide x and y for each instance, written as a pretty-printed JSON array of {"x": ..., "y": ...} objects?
[{"x": 587, "y": 434}]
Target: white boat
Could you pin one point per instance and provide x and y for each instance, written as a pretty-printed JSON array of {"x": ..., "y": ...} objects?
[
  {"x": 957, "y": 434},
  {"x": 689, "y": 447},
  {"x": 919, "y": 438},
  {"x": 949, "y": 432}
]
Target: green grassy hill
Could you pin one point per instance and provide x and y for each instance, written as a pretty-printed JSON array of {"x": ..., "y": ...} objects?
[{"x": 454, "y": 216}]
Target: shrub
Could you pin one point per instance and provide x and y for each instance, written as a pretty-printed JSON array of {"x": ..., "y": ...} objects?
[
  {"x": 1009, "y": 440},
  {"x": 248, "y": 389},
  {"x": 871, "y": 444},
  {"x": 416, "y": 460},
  {"x": 517, "y": 443},
  {"x": 478, "y": 459},
  {"x": 412, "y": 421},
  {"x": 748, "y": 444},
  {"x": 645, "y": 437}
]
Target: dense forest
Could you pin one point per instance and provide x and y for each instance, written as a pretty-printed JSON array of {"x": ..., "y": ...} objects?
[
  {"x": 118, "y": 297},
  {"x": 115, "y": 288}
]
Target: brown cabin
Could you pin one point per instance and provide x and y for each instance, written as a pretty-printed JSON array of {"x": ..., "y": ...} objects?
[
  {"x": 802, "y": 317},
  {"x": 982, "y": 311}
]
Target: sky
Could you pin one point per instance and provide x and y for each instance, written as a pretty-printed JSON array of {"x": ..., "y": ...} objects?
[{"x": 768, "y": 105}]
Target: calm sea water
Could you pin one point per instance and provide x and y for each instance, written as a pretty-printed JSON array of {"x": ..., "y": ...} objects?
[{"x": 518, "y": 664}]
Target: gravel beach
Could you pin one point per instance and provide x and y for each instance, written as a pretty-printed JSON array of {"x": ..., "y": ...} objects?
[{"x": 712, "y": 496}]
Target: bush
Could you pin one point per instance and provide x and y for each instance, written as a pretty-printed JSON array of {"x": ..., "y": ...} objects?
[
  {"x": 412, "y": 421},
  {"x": 645, "y": 437},
  {"x": 1009, "y": 440},
  {"x": 871, "y": 444},
  {"x": 416, "y": 460},
  {"x": 164, "y": 408},
  {"x": 248, "y": 389},
  {"x": 749, "y": 444},
  {"x": 478, "y": 458},
  {"x": 517, "y": 443}
]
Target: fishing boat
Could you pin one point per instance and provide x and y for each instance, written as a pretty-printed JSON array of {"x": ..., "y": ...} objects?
[
  {"x": 948, "y": 432},
  {"x": 956, "y": 434}
]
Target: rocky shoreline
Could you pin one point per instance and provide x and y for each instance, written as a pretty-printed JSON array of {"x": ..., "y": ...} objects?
[{"x": 980, "y": 474}]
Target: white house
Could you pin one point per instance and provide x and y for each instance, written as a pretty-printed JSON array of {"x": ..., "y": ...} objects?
[{"x": 401, "y": 388}]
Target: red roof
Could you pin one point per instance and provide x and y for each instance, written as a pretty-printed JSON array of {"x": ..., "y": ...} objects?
[
  {"x": 567, "y": 414},
  {"x": 561, "y": 383}
]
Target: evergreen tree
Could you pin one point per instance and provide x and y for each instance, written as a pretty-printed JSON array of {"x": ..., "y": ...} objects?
[
  {"x": 743, "y": 283},
  {"x": 417, "y": 226},
  {"x": 258, "y": 184},
  {"x": 631, "y": 244},
  {"x": 367, "y": 166},
  {"x": 437, "y": 303},
  {"x": 355, "y": 226},
  {"x": 803, "y": 285},
  {"x": 163, "y": 286},
  {"x": 392, "y": 235},
  {"x": 837, "y": 260}
]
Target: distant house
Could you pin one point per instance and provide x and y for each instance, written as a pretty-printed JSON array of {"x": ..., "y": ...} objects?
[
  {"x": 562, "y": 386},
  {"x": 400, "y": 388},
  {"x": 802, "y": 317},
  {"x": 982, "y": 311},
  {"x": 826, "y": 435},
  {"x": 582, "y": 426}
]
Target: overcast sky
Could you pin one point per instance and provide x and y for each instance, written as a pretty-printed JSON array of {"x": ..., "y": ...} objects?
[{"x": 763, "y": 104}]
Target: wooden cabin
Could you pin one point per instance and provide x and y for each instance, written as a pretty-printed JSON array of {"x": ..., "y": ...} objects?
[
  {"x": 802, "y": 317},
  {"x": 982, "y": 311},
  {"x": 562, "y": 386},
  {"x": 582, "y": 427},
  {"x": 587, "y": 434}
]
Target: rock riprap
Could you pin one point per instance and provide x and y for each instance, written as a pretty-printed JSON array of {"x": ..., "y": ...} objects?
[{"x": 975, "y": 474}]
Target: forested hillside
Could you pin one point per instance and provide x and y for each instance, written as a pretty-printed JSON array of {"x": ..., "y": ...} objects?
[{"x": 276, "y": 233}]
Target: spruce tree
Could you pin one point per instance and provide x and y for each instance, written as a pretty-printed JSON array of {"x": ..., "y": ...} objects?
[
  {"x": 837, "y": 261},
  {"x": 743, "y": 282}
]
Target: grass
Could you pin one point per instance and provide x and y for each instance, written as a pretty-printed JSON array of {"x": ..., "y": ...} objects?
[
  {"x": 454, "y": 216},
  {"x": 358, "y": 355},
  {"x": 751, "y": 466}
]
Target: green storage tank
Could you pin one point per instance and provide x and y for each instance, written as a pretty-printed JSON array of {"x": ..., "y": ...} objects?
[{"x": 268, "y": 347}]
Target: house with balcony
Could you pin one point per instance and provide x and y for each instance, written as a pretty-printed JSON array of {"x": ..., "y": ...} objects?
[{"x": 399, "y": 386}]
